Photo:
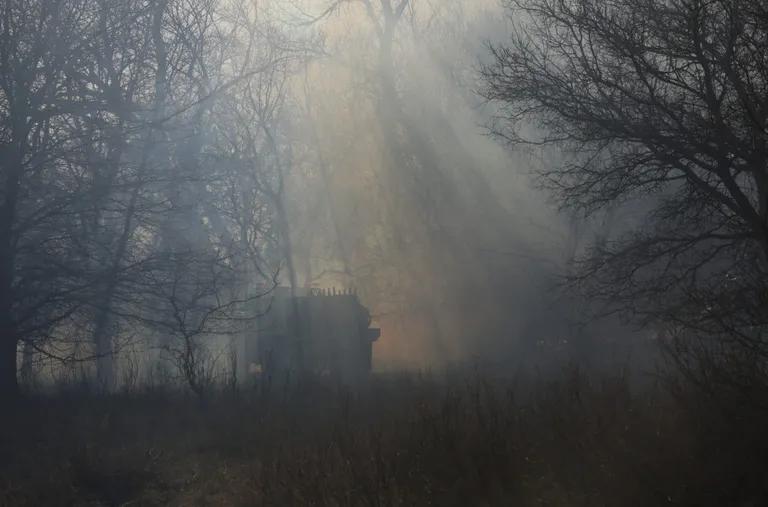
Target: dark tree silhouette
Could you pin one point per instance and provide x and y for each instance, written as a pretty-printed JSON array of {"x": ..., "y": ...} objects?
[
  {"x": 41, "y": 281},
  {"x": 662, "y": 101},
  {"x": 112, "y": 164}
]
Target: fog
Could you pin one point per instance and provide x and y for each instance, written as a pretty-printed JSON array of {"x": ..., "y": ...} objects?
[
  {"x": 180, "y": 162},
  {"x": 383, "y": 252},
  {"x": 407, "y": 196}
]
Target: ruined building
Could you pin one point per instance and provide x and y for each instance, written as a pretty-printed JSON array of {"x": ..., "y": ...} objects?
[{"x": 322, "y": 332}]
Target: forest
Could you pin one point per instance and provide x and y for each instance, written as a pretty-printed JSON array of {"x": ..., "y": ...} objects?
[{"x": 383, "y": 252}]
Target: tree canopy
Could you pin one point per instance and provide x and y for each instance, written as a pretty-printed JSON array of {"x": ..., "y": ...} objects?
[{"x": 664, "y": 101}]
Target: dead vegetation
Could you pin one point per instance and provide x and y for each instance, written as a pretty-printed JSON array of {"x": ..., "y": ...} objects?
[{"x": 402, "y": 440}]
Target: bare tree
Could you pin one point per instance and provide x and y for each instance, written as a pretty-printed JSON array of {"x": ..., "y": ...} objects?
[
  {"x": 196, "y": 300},
  {"x": 110, "y": 168},
  {"x": 40, "y": 285},
  {"x": 660, "y": 102}
]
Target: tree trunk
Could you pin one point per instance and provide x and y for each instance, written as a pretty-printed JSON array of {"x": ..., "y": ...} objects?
[
  {"x": 27, "y": 372},
  {"x": 102, "y": 337},
  {"x": 9, "y": 386},
  {"x": 102, "y": 333},
  {"x": 9, "y": 338},
  {"x": 325, "y": 176}
]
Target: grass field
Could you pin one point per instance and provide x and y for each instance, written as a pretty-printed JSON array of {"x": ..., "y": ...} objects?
[{"x": 400, "y": 440}]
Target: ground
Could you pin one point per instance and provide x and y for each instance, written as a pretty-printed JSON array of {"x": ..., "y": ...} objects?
[{"x": 400, "y": 440}]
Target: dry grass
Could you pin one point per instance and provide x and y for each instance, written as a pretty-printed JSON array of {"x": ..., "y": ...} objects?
[{"x": 404, "y": 440}]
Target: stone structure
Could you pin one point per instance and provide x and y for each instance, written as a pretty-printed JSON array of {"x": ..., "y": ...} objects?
[{"x": 323, "y": 332}]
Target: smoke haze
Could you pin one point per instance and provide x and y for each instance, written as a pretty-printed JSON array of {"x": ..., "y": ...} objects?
[{"x": 406, "y": 196}]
